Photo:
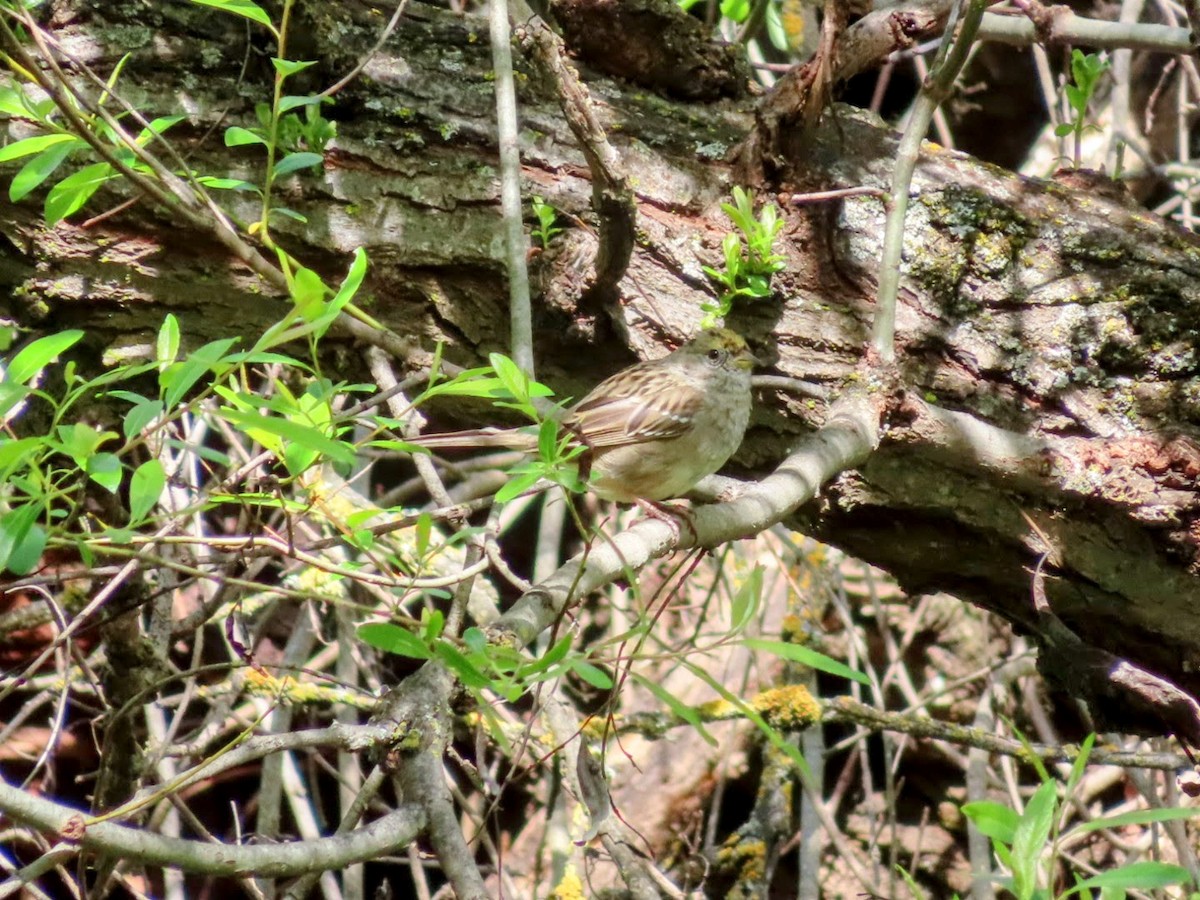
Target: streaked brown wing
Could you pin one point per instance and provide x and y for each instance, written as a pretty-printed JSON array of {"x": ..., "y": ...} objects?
[{"x": 641, "y": 404}]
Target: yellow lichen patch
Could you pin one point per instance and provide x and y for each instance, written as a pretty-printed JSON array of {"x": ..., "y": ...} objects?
[
  {"x": 787, "y": 708},
  {"x": 716, "y": 710},
  {"x": 290, "y": 691},
  {"x": 263, "y": 683},
  {"x": 744, "y": 858},
  {"x": 598, "y": 726},
  {"x": 571, "y": 886},
  {"x": 794, "y": 629},
  {"x": 316, "y": 581}
]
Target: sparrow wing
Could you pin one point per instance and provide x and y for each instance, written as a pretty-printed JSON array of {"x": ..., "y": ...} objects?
[{"x": 650, "y": 403}]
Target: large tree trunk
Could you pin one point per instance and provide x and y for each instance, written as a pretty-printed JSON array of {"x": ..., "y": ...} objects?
[{"x": 1045, "y": 335}]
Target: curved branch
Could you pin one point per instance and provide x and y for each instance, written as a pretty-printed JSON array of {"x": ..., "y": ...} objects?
[
  {"x": 844, "y": 442},
  {"x": 1066, "y": 27},
  {"x": 386, "y": 835}
]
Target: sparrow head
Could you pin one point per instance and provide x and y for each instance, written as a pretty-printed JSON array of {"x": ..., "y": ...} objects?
[{"x": 721, "y": 347}]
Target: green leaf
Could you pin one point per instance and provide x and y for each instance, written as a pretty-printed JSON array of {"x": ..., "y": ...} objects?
[
  {"x": 731, "y": 245},
  {"x": 461, "y": 666},
  {"x": 676, "y": 706},
  {"x": 288, "y": 214},
  {"x": 396, "y": 446},
  {"x": 1080, "y": 765},
  {"x": 806, "y": 656},
  {"x": 593, "y": 675},
  {"x": 30, "y": 361},
  {"x": 737, "y": 10},
  {"x": 361, "y": 539},
  {"x": 297, "y": 458},
  {"x": 741, "y": 211},
  {"x": 296, "y": 161},
  {"x": 69, "y": 195},
  {"x": 347, "y": 290},
  {"x": 758, "y": 285},
  {"x": 287, "y": 104},
  {"x": 37, "y": 170},
  {"x": 434, "y": 621},
  {"x": 105, "y": 470},
  {"x": 252, "y": 357},
  {"x": 178, "y": 379},
  {"x": 422, "y": 533},
  {"x": 472, "y": 383},
  {"x": 308, "y": 293},
  {"x": 517, "y": 486},
  {"x": 139, "y": 417},
  {"x": 1145, "y": 875},
  {"x": 391, "y": 638},
  {"x": 19, "y": 450},
  {"x": 15, "y": 526},
  {"x": 167, "y": 347},
  {"x": 286, "y": 67},
  {"x": 995, "y": 820},
  {"x": 27, "y": 552},
  {"x": 217, "y": 458},
  {"x": 1030, "y": 838},
  {"x": 771, "y": 734},
  {"x": 1064, "y": 129},
  {"x": 157, "y": 126},
  {"x": 145, "y": 488},
  {"x": 514, "y": 380},
  {"x": 237, "y": 136},
  {"x": 1006, "y": 859},
  {"x": 36, "y": 144},
  {"x": 244, "y": 8},
  {"x": 227, "y": 184},
  {"x": 1138, "y": 817},
  {"x": 475, "y": 639},
  {"x": 12, "y": 102},
  {"x": 80, "y": 440},
  {"x": 10, "y": 396},
  {"x": 555, "y": 654},
  {"x": 304, "y": 435},
  {"x": 548, "y": 440},
  {"x": 746, "y": 600},
  {"x": 133, "y": 399}
]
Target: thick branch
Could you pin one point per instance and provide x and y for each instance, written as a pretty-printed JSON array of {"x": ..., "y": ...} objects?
[{"x": 386, "y": 835}]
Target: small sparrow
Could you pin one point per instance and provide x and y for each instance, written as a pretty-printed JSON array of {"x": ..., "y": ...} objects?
[{"x": 656, "y": 428}]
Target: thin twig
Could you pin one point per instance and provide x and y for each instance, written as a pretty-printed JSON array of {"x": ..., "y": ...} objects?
[
  {"x": 516, "y": 244},
  {"x": 370, "y": 54},
  {"x": 951, "y": 56}
]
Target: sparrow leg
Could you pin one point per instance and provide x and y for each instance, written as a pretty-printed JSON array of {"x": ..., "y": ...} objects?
[{"x": 670, "y": 513}]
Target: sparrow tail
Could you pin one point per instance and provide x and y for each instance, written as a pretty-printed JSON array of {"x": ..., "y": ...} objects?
[{"x": 501, "y": 438}]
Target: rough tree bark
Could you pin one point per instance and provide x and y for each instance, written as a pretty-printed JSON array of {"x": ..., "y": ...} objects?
[{"x": 1048, "y": 397}]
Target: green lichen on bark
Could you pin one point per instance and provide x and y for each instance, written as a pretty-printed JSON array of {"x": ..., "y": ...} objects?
[{"x": 967, "y": 237}]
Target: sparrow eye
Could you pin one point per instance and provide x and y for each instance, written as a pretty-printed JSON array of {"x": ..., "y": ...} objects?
[{"x": 716, "y": 357}]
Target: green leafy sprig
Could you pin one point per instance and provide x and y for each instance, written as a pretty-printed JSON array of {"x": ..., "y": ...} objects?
[
  {"x": 1086, "y": 70},
  {"x": 750, "y": 256},
  {"x": 546, "y": 228}
]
